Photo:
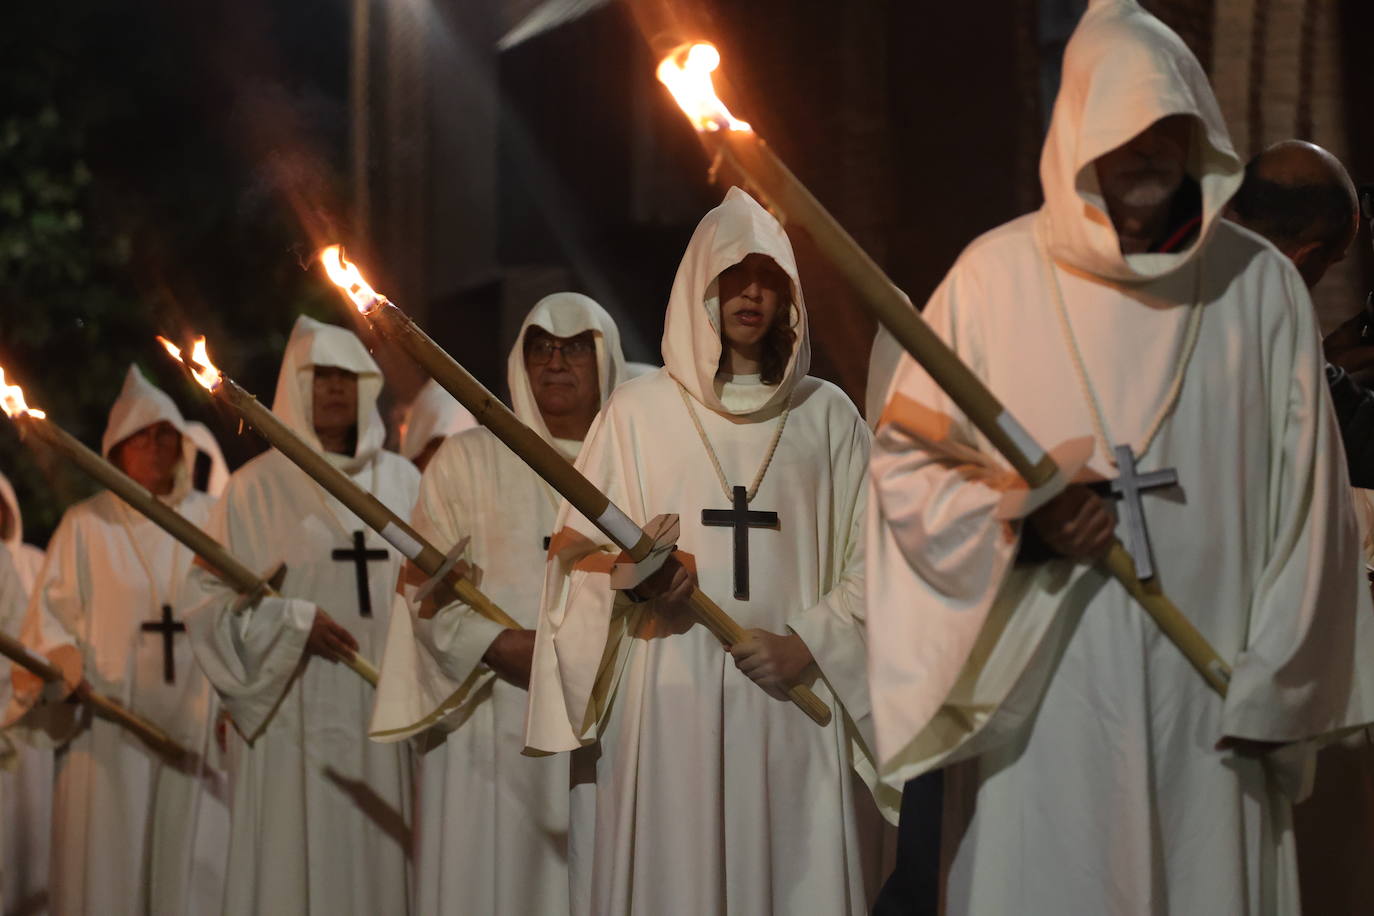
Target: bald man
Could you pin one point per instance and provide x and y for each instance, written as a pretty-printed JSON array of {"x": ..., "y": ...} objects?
[{"x": 1299, "y": 197}]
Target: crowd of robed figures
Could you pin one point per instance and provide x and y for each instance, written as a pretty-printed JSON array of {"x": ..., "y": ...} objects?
[{"x": 613, "y": 756}]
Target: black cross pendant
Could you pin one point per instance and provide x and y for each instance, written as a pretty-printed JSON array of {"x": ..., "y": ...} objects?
[
  {"x": 1127, "y": 487},
  {"x": 359, "y": 556},
  {"x": 168, "y": 628},
  {"x": 741, "y": 519}
]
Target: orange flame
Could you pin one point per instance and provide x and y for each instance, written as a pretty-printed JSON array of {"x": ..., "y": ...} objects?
[
  {"x": 199, "y": 363},
  {"x": 686, "y": 71},
  {"x": 12, "y": 400},
  {"x": 344, "y": 274}
]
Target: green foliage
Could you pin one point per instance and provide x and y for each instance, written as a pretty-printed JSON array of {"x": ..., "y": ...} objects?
[{"x": 144, "y": 189}]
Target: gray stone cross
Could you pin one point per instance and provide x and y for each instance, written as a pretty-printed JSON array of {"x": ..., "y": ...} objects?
[{"x": 1127, "y": 487}]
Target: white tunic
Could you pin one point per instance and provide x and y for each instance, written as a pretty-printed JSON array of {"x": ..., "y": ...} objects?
[
  {"x": 25, "y": 770},
  {"x": 321, "y": 815},
  {"x": 1088, "y": 779},
  {"x": 702, "y": 794},
  {"x": 492, "y": 829},
  {"x": 130, "y": 833}
]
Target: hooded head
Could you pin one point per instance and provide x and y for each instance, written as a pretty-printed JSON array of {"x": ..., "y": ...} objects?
[
  {"x": 434, "y": 414},
  {"x": 564, "y": 315},
  {"x": 1123, "y": 71},
  {"x": 313, "y": 343},
  {"x": 141, "y": 404},
  {"x": 727, "y": 235}
]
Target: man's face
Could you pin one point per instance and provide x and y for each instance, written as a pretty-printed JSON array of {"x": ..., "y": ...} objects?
[
  {"x": 334, "y": 405},
  {"x": 750, "y": 293},
  {"x": 150, "y": 455},
  {"x": 1145, "y": 171},
  {"x": 562, "y": 372}
]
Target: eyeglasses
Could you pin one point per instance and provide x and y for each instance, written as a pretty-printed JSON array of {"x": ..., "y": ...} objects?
[
  {"x": 577, "y": 350},
  {"x": 160, "y": 433}
]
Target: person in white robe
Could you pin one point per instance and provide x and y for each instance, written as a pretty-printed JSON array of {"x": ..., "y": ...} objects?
[
  {"x": 491, "y": 831},
  {"x": 1090, "y": 768},
  {"x": 695, "y": 791},
  {"x": 131, "y": 831},
  {"x": 25, "y": 777},
  {"x": 321, "y": 815},
  {"x": 433, "y": 416},
  {"x": 25, "y": 770}
]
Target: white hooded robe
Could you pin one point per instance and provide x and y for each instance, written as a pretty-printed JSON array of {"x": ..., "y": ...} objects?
[
  {"x": 1087, "y": 779},
  {"x": 131, "y": 833},
  {"x": 492, "y": 828},
  {"x": 321, "y": 815},
  {"x": 25, "y": 770},
  {"x": 697, "y": 793}
]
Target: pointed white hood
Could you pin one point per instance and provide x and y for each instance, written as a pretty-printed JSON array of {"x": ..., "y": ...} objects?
[
  {"x": 1124, "y": 70},
  {"x": 691, "y": 334},
  {"x": 313, "y": 343},
  {"x": 433, "y": 414},
  {"x": 141, "y": 404},
  {"x": 564, "y": 315}
]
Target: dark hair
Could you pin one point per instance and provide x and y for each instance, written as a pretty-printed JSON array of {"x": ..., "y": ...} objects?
[
  {"x": 778, "y": 343},
  {"x": 1294, "y": 214}
]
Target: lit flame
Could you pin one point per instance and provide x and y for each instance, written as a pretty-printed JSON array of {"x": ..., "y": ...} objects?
[
  {"x": 12, "y": 400},
  {"x": 345, "y": 275},
  {"x": 687, "y": 74},
  {"x": 199, "y": 363}
]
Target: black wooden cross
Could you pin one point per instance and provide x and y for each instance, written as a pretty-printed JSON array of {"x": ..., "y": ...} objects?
[
  {"x": 741, "y": 519},
  {"x": 1127, "y": 487},
  {"x": 168, "y": 628},
  {"x": 359, "y": 556}
]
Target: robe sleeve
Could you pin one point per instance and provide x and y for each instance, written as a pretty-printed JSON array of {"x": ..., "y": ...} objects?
[
  {"x": 250, "y": 656},
  {"x": 581, "y": 621},
  {"x": 433, "y": 667},
  {"x": 833, "y": 629},
  {"x": 1304, "y": 669},
  {"x": 56, "y": 610},
  {"x": 938, "y": 557}
]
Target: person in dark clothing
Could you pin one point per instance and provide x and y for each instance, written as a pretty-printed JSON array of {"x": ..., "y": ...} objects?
[{"x": 1299, "y": 197}]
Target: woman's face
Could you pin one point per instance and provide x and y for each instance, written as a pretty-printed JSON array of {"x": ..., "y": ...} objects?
[{"x": 750, "y": 294}]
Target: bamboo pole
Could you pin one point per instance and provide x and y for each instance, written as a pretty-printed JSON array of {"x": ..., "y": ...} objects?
[
  {"x": 100, "y": 704},
  {"x": 787, "y": 197},
  {"x": 373, "y": 512},
  {"x": 557, "y": 471}
]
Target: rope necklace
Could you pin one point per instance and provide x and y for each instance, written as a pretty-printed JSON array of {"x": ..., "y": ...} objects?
[
  {"x": 1098, "y": 416},
  {"x": 711, "y": 452}
]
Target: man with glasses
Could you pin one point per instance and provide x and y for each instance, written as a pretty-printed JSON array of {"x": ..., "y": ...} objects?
[{"x": 492, "y": 825}]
